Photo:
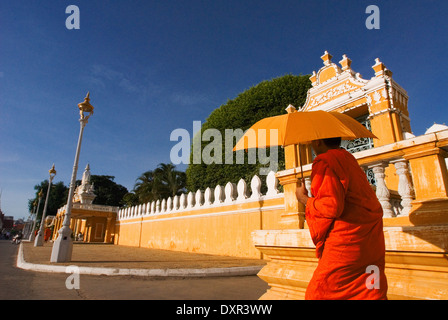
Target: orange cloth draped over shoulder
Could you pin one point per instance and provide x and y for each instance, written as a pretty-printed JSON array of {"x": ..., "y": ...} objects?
[{"x": 345, "y": 221}]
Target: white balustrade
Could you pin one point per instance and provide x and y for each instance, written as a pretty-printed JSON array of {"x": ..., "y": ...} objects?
[{"x": 218, "y": 196}]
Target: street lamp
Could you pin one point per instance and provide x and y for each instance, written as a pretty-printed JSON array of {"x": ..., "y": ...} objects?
[
  {"x": 33, "y": 235},
  {"x": 39, "y": 241},
  {"x": 63, "y": 246}
]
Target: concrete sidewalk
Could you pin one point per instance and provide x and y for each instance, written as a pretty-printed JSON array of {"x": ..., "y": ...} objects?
[{"x": 109, "y": 259}]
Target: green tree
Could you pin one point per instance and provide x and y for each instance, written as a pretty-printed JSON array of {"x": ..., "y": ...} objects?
[
  {"x": 56, "y": 199},
  {"x": 268, "y": 98},
  {"x": 107, "y": 191},
  {"x": 130, "y": 199}
]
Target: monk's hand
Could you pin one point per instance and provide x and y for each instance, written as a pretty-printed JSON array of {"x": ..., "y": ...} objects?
[{"x": 301, "y": 192}]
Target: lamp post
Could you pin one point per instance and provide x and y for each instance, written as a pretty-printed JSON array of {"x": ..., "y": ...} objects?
[
  {"x": 39, "y": 241},
  {"x": 62, "y": 247},
  {"x": 32, "y": 235}
]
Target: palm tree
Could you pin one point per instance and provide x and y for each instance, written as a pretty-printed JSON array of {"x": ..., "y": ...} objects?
[
  {"x": 173, "y": 180},
  {"x": 148, "y": 187},
  {"x": 163, "y": 182}
]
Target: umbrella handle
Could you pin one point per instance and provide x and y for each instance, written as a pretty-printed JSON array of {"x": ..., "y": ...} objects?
[{"x": 300, "y": 160}]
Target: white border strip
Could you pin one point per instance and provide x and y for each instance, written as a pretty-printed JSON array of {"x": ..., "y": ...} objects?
[{"x": 206, "y": 272}]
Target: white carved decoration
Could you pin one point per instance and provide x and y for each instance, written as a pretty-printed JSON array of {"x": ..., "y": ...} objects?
[
  {"x": 377, "y": 97},
  {"x": 332, "y": 93}
]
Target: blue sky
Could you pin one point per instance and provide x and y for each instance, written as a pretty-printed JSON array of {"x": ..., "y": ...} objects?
[{"x": 155, "y": 66}]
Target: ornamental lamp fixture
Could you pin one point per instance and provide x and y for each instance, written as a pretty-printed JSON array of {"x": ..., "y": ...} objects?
[{"x": 85, "y": 107}]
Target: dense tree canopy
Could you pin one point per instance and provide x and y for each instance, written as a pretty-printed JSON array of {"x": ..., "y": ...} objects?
[
  {"x": 107, "y": 191},
  {"x": 268, "y": 98}
]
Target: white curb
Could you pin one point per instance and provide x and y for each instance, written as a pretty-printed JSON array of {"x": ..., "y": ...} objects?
[{"x": 206, "y": 272}]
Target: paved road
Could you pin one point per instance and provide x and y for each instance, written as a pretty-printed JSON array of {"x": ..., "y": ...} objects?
[{"x": 17, "y": 284}]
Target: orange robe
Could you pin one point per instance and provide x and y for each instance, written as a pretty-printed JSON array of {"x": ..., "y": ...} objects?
[
  {"x": 345, "y": 221},
  {"x": 47, "y": 234}
]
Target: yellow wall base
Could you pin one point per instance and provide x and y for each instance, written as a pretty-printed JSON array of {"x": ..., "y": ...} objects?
[{"x": 416, "y": 263}]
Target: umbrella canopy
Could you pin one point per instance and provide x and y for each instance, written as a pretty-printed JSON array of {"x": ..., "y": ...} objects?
[{"x": 301, "y": 128}]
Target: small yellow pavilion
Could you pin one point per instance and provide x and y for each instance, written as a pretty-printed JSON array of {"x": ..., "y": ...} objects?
[{"x": 89, "y": 222}]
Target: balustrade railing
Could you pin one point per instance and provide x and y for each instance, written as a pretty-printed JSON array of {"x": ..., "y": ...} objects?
[{"x": 230, "y": 194}]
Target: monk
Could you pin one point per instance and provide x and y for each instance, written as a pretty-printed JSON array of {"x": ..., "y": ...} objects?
[{"x": 345, "y": 221}]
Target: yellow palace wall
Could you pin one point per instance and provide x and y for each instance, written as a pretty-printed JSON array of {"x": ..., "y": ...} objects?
[{"x": 221, "y": 227}]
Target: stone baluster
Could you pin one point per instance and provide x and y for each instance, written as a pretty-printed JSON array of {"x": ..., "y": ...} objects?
[
  {"x": 169, "y": 204},
  {"x": 405, "y": 189},
  {"x": 158, "y": 206},
  {"x": 208, "y": 194},
  {"x": 153, "y": 207},
  {"x": 255, "y": 186},
  {"x": 163, "y": 206},
  {"x": 182, "y": 201},
  {"x": 219, "y": 195},
  {"x": 198, "y": 198},
  {"x": 242, "y": 190},
  {"x": 308, "y": 186},
  {"x": 190, "y": 200},
  {"x": 382, "y": 192},
  {"x": 175, "y": 203},
  {"x": 272, "y": 184},
  {"x": 229, "y": 191}
]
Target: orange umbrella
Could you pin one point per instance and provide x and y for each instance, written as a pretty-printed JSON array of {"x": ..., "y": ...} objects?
[{"x": 301, "y": 127}]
